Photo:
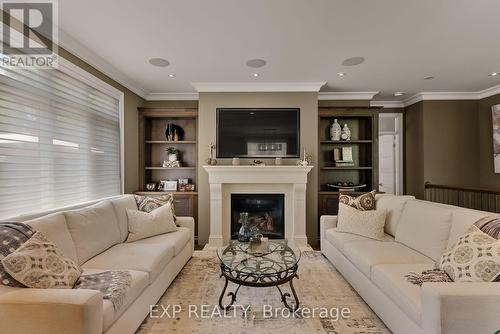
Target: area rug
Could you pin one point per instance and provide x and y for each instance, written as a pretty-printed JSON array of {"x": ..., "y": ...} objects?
[{"x": 194, "y": 295}]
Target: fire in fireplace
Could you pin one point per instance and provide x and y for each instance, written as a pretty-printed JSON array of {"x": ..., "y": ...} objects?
[{"x": 266, "y": 214}]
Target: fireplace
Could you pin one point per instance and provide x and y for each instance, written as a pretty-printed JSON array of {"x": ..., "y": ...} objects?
[{"x": 266, "y": 214}]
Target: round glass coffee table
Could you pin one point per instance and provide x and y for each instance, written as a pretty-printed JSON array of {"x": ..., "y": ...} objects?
[{"x": 251, "y": 265}]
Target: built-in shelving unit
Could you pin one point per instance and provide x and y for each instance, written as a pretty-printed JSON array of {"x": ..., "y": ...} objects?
[
  {"x": 153, "y": 143},
  {"x": 363, "y": 123}
]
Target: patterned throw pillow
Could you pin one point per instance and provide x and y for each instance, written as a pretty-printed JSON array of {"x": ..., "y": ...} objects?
[
  {"x": 364, "y": 202},
  {"x": 12, "y": 236},
  {"x": 149, "y": 203},
  {"x": 475, "y": 257},
  {"x": 38, "y": 263}
]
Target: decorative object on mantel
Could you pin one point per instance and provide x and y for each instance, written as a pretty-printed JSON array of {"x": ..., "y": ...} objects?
[
  {"x": 306, "y": 159},
  {"x": 335, "y": 130},
  {"x": 236, "y": 161},
  {"x": 151, "y": 186},
  {"x": 495, "y": 112},
  {"x": 172, "y": 158},
  {"x": 244, "y": 232},
  {"x": 278, "y": 161},
  {"x": 346, "y": 133},
  {"x": 174, "y": 132},
  {"x": 258, "y": 163},
  {"x": 212, "y": 161}
]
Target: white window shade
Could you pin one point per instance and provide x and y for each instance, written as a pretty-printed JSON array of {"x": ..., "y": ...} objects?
[{"x": 59, "y": 141}]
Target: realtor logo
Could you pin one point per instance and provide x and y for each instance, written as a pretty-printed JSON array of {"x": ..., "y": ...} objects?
[{"x": 29, "y": 34}]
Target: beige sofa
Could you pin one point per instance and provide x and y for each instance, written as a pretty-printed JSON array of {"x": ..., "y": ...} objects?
[
  {"x": 417, "y": 233},
  {"x": 94, "y": 236}
]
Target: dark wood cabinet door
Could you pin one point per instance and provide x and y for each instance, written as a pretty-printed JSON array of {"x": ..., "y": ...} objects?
[{"x": 183, "y": 206}]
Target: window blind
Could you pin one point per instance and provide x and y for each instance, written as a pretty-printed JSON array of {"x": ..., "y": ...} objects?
[{"x": 59, "y": 141}]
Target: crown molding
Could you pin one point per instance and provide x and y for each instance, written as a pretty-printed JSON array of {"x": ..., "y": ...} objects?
[
  {"x": 82, "y": 52},
  {"x": 346, "y": 95},
  {"x": 210, "y": 87},
  {"x": 488, "y": 92},
  {"x": 159, "y": 96}
]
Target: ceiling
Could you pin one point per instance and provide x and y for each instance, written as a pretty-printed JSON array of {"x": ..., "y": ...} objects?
[{"x": 403, "y": 41}]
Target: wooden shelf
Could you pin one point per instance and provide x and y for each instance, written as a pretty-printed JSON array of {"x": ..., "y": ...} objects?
[
  {"x": 346, "y": 168},
  {"x": 170, "y": 168},
  {"x": 345, "y": 142},
  {"x": 193, "y": 193},
  {"x": 170, "y": 142}
]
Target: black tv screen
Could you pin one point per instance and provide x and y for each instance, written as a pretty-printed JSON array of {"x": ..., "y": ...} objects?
[{"x": 258, "y": 133}]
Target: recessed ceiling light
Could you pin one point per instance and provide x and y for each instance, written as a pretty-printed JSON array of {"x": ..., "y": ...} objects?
[
  {"x": 256, "y": 75},
  {"x": 353, "y": 61},
  {"x": 256, "y": 63},
  {"x": 429, "y": 77},
  {"x": 494, "y": 74},
  {"x": 399, "y": 94},
  {"x": 341, "y": 74},
  {"x": 160, "y": 62},
  {"x": 171, "y": 75}
]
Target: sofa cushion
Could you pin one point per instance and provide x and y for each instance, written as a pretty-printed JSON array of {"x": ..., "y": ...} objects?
[
  {"x": 369, "y": 223},
  {"x": 150, "y": 258},
  {"x": 425, "y": 227},
  {"x": 93, "y": 229},
  {"x": 54, "y": 227},
  {"x": 390, "y": 279},
  {"x": 393, "y": 205},
  {"x": 461, "y": 221},
  {"x": 340, "y": 239},
  {"x": 120, "y": 205},
  {"x": 137, "y": 286},
  {"x": 366, "y": 254},
  {"x": 178, "y": 239}
]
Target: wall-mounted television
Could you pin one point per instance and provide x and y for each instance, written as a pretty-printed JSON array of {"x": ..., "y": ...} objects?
[{"x": 258, "y": 133}]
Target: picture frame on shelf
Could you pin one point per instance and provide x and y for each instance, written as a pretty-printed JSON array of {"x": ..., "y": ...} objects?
[
  {"x": 190, "y": 187},
  {"x": 170, "y": 185}
]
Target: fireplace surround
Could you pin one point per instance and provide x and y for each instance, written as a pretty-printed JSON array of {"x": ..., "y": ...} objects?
[{"x": 287, "y": 179}]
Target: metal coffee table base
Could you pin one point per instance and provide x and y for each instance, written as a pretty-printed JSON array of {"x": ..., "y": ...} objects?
[{"x": 260, "y": 281}]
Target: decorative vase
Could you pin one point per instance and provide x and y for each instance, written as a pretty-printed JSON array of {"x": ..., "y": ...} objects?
[
  {"x": 346, "y": 133},
  {"x": 172, "y": 157},
  {"x": 244, "y": 233},
  {"x": 335, "y": 130}
]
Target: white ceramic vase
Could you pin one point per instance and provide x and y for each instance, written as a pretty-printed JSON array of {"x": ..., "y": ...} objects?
[
  {"x": 172, "y": 157},
  {"x": 335, "y": 130}
]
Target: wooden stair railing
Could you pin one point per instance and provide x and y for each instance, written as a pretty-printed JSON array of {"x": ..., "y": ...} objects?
[{"x": 471, "y": 198}]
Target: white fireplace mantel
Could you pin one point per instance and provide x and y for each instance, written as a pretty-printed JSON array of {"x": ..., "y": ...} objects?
[{"x": 288, "y": 180}]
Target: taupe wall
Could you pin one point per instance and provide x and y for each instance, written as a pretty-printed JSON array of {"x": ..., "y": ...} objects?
[
  {"x": 414, "y": 150},
  {"x": 209, "y": 102},
  {"x": 450, "y": 143},
  {"x": 487, "y": 176}
]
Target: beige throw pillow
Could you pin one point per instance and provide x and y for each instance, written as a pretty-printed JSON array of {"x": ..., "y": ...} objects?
[
  {"x": 143, "y": 224},
  {"x": 475, "y": 257},
  {"x": 366, "y": 223},
  {"x": 38, "y": 263}
]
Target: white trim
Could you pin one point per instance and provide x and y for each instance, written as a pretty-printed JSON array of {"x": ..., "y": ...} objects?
[
  {"x": 346, "y": 95},
  {"x": 387, "y": 104},
  {"x": 488, "y": 92},
  {"x": 80, "y": 74},
  {"x": 82, "y": 52},
  {"x": 159, "y": 96},
  {"x": 258, "y": 86}
]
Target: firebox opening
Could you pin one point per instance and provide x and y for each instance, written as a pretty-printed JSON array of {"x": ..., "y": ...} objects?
[{"x": 266, "y": 214}]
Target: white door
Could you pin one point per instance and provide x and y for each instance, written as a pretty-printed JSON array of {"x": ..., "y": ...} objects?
[{"x": 387, "y": 163}]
